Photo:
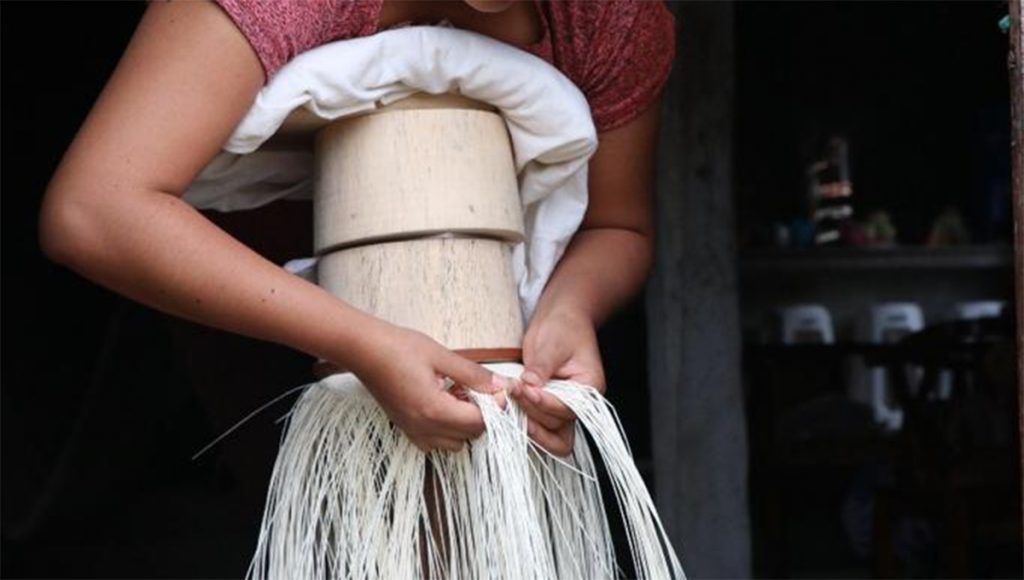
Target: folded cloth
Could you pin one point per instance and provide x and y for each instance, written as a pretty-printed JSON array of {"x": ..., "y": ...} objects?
[{"x": 548, "y": 120}]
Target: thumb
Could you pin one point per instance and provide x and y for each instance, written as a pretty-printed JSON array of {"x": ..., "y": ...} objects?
[
  {"x": 538, "y": 368},
  {"x": 471, "y": 375}
]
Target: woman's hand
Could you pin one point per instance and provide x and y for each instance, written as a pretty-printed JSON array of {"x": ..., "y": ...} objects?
[
  {"x": 604, "y": 265},
  {"x": 561, "y": 345},
  {"x": 406, "y": 370}
]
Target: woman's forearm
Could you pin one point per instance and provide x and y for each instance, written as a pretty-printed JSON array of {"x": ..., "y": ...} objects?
[
  {"x": 601, "y": 270},
  {"x": 155, "y": 248},
  {"x": 113, "y": 213}
]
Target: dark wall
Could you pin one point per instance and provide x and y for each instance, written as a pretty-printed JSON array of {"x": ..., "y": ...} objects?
[
  {"x": 100, "y": 412},
  {"x": 52, "y": 320}
]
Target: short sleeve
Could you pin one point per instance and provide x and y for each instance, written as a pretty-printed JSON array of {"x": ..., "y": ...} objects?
[
  {"x": 631, "y": 58},
  {"x": 278, "y": 30}
]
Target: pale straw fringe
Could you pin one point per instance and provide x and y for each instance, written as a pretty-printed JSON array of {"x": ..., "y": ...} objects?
[{"x": 347, "y": 497}]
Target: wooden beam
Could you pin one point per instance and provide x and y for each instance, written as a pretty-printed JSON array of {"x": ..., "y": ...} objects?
[
  {"x": 698, "y": 425},
  {"x": 1016, "y": 66}
]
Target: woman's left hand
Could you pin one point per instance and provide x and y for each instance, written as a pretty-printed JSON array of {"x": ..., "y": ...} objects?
[
  {"x": 559, "y": 345},
  {"x": 604, "y": 265}
]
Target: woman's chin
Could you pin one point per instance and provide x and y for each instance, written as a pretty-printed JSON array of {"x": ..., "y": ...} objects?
[{"x": 490, "y": 5}]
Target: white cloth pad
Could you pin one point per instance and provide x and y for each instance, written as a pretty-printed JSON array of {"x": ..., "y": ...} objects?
[{"x": 548, "y": 119}]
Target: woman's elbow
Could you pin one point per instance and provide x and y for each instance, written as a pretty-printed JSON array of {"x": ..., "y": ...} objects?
[{"x": 65, "y": 224}]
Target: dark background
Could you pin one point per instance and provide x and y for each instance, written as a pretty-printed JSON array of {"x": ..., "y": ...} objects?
[
  {"x": 919, "y": 89},
  {"x": 104, "y": 401}
]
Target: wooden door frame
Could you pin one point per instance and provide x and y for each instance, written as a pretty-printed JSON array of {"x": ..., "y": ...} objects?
[
  {"x": 1016, "y": 66},
  {"x": 1016, "y": 70}
]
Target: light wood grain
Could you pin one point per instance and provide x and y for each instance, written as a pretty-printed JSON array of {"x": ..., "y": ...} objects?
[
  {"x": 415, "y": 172},
  {"x": 459, "y": 291},
  {"x": 1016, "y": 68}
]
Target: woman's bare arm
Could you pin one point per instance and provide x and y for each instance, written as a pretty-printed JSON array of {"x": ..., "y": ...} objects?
[
  {"x": 604, "y": 266},
  {"x": 609, "y": 258},
  {"x": 113, "y": 213},
  {"x": 112, "y": 210}
]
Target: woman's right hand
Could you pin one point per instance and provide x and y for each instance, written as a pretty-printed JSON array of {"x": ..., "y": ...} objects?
[{"x": 405, "y": 371}]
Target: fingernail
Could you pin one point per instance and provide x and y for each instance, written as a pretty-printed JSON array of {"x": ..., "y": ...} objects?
[
  {"x": 499, "y": 382},
  {"x": 531, "y": 378}
]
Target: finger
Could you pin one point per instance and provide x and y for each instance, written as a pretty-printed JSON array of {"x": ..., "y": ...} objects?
[
  {"x": 532, "y": 411},
  {"x": 466, "y": 372},
  {"x": 538, "y": 369},
  {"x": 539, "y": 364},
  {"x": 435, "y": 443},
  {"x": 553, "y": 406},
  {"x": 447, "y": 444},
  {"x": 428, "y": 444},
  {"x": 456, "y": 418},
  {"x": 460, "y": 393},
  {"x": 544, "y": 402},
  {"x": 500, "y": 399},
  {"x": 558, "y": 443}
]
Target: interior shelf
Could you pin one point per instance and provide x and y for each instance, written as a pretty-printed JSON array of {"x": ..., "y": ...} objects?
[{"x": 876, "y": 258}]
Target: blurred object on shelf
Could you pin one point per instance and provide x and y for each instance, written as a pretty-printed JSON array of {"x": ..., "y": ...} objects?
[
  {"x": 853, "y": 233},
  {"x": 806, "y": 324},
  {"x": 884, "y": 323},
  {"x": 829, "y": 190},
  {"x": 879, "y": 230},
  {"x": 978, "y": 309},
  {"x": 801, "y": 232},
  {"x": 974, "y": 310},
  {"x": 948, "y": 229}
]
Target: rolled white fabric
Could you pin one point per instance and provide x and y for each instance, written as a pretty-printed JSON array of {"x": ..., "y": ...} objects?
[{"x": 548, "y": 120}]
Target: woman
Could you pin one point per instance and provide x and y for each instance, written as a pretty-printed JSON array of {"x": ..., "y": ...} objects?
[{"x": 113, "y": 211}]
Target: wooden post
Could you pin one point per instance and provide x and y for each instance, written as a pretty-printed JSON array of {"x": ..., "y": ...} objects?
[
  {"x": 698, "y": 423},
  {"x": 1016, "y": 66}
]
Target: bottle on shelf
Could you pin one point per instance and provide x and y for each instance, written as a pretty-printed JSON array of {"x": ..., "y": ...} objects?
[{"x": 829, "y": 192}]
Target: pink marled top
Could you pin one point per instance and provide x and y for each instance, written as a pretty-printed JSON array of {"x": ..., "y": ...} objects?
[{"x": 618, "y": 52}]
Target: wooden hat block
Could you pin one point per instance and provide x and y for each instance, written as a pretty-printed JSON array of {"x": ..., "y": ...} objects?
[{"x": 416, "y": 210}]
